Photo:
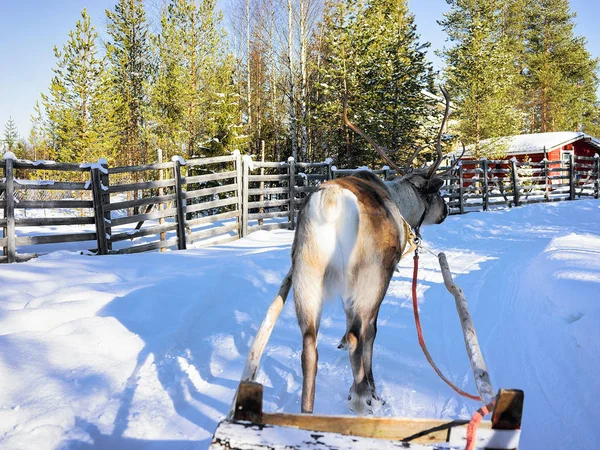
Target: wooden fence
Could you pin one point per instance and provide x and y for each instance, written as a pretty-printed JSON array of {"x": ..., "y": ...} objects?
[{"x": 210, "y": 201}]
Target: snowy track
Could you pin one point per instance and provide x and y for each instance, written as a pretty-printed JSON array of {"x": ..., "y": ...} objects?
[{"x": 145, "y": 351}]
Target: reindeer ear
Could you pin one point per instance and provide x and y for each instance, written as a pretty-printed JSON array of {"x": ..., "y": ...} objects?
[{"x": 434, "y": 185}]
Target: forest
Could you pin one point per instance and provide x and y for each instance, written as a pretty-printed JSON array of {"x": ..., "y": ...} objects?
[{"x": 191, "y": 79}]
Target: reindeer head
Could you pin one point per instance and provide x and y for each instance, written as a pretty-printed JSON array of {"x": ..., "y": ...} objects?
[{"x": 417, "y": 191}]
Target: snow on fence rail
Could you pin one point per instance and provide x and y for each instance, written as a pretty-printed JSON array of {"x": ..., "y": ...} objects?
[{"x": 208, "y": 201}]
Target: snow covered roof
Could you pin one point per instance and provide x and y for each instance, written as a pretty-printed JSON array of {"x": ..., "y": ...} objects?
[{"x": 536, "y": 142}]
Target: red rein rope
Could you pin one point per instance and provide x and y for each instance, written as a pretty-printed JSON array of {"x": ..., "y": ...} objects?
[
  {"x": 481, "y": 412},
  {"x": 422, "y": 340}
]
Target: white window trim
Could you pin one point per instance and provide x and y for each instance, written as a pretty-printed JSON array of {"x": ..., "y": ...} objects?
[{"x": 566, "y": 152}]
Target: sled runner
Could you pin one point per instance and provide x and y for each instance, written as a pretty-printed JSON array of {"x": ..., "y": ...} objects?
[{"x": 249, "y": 427}]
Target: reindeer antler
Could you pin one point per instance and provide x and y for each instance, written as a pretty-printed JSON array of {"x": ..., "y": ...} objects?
[
  {"x": 449, "y": 169},
  {"x": 438, "y": 144},
  {"x": 381, "y": 150}
]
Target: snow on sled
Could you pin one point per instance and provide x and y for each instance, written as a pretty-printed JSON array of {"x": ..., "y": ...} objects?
[{"x": 248, "y": 427}]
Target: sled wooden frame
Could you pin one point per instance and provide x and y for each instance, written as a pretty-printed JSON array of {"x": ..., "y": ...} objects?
[{"x": 248, "y": 427}]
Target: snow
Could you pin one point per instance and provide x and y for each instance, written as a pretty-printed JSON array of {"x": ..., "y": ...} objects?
[
  {"x": 97, "y": 165},
  {"x": 179, "y": 159},
  {"x": 146, "y": 350},
  {"x": 9, "y": 155}
]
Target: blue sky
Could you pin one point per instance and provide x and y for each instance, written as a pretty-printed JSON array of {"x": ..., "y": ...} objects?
[{"x": 29, "y": 29}]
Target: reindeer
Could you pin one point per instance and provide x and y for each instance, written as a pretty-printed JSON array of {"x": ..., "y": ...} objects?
[{"x": 350, "y": 236}]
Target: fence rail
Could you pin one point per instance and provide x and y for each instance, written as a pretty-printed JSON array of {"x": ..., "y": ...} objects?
[{"x": 207, "y": 201}]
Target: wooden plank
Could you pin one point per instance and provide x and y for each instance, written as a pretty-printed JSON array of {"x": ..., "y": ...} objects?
[
  {"x": 209, "y": 177},
  {"x": 3, "y": 241},
  {"x": 212, "y": 160},
  {"x": 55, "y": 238},
  {"x": 253, "y": 178},
  {"x": 48, "y": 204},
  {"x": 116, "y": 188},
  {"x": 268, "y": 215},
  {"x": 231, "y": 435},
  {"x": 266, "y": 164},
  {"x": 140, "y": 202},
  {"x": 170, "y": 212},
  {"x": 148, "y": 231},
  {"x": 54, "y": 221},
  {"x": 51, "y": 186},
  {"x": 9, "y": 212},
  {"x": 213, "y": 218},
  {"x": 268, "y": 191},
  {"x": 141, "y": 168},
  {"x": 305, "y": 165},
  {"x": 210, "y": 232},
  {"x": 211, "y": 191},
  {"x": 155, "y": 245},
  {"x": 49, "y": 165},
  {"x": 397, "y": 429},
  {"x": 214, "y": 204},
  {"x": 268, "y": 204}
]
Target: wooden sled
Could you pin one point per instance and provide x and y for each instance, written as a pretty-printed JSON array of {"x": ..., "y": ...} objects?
[{"x": 248, "y": 427}]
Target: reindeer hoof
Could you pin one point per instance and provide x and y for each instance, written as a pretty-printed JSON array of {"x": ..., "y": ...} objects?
[
  {"x": 362, "y": 400},
  {"x": 343, "y": 345}
]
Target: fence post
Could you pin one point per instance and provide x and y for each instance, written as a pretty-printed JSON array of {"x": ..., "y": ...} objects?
[
  {"x": 571, "y": 177},
  {"x": 161, "y": 192},
  {"x": 9, "y": 211},
  {"x": 239, "y": 181},
  {"x": 546, "y": 180},
  {"x": 329, "y": 162},
  {"x": 596, "y": 191},
  {"x": 386, "y": 172},
  {"x": 104, "y": 177},
  {"x": 98, "y": 196},
  {"x": 292, "y": 194},
  {"x": 515, "y": 181},
  {"x": 262, "y": 183},
  {"x": 485, "y": 195},
  {"x": 179, "y": 202},
  {"x": 245, "y": 196},
  {"x": 461, "y": 189}
]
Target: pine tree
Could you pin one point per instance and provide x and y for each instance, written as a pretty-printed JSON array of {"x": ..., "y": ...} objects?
[
  {"x": 128, "y": 52},
  {"x": 371, "y": 51},
  {"x": 482, "y": 70},
  {"x": 560, "y": 74},
  {"x": 10, "y": 137},
  {"x": 194, "y": 94},
  {"x": 71, "y": 105}
]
